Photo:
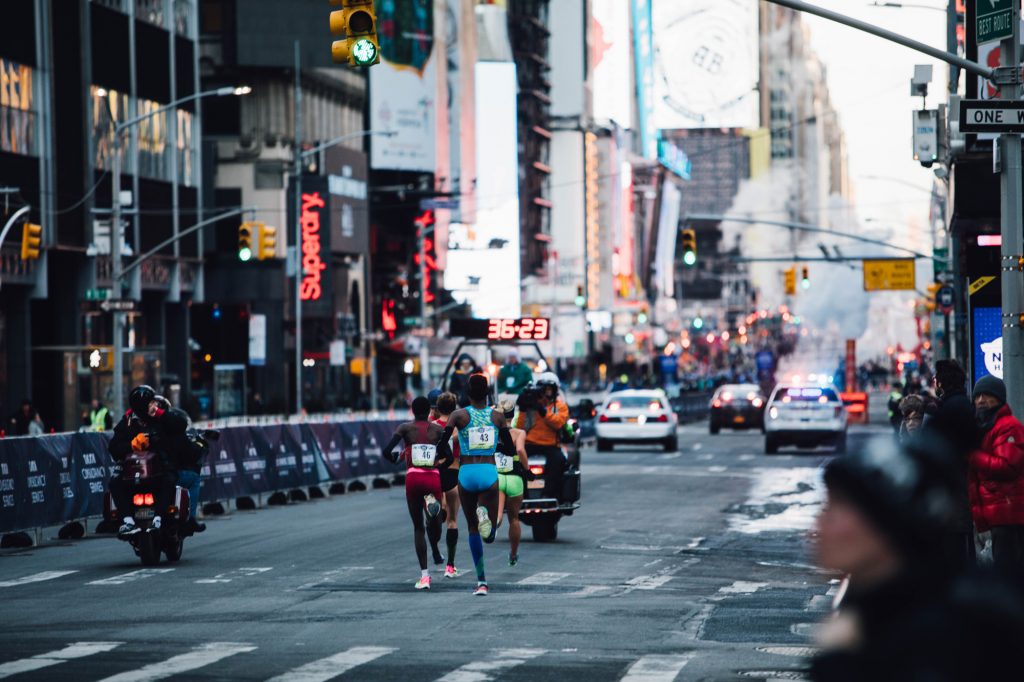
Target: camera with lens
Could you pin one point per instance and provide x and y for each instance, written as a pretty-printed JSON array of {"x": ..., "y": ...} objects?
[{"x": 530, "y": 400}]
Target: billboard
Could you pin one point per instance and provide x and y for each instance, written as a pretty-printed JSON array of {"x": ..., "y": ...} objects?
[
  {"x": 349, "y": 202},
  {"x": 706, "y": 64},
  {"x": 483, "y": 255},
  {"x": 609, "y": 57},
  {"x": 403, "y": 87},
  {"x": 643, "y": 56},
  {"x": 668, "y": 229},
  {"x": 987, "y": 342}
]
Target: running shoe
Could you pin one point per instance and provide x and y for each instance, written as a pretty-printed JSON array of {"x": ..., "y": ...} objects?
[
  {"x": 438, "y": 560},
  {"x": 423, "y": 583},
  {"x": 483, "y": 523},
  {"x": 451, "y": 572},
  {"x": 481, "y": 590},
  {"x": 513, "y": 559},
  {"x": 433, "y": 506}
]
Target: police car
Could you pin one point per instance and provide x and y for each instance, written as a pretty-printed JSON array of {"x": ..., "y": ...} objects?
[{"x": 804, "y": 416}]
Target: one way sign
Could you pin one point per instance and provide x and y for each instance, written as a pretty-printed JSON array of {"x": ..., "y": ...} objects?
[{"x": 991, "y": 116}]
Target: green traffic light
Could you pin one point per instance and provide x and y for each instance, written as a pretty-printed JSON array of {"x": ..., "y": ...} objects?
[
  {"x": 690, "y": 258},
  {"x": 698, "y": 323},
  {"x": 806, "y": 283},
  {"x": 364, "y": 52},
  {"x": 245, "y": 254},
  {"x": 581, "y": 301}
]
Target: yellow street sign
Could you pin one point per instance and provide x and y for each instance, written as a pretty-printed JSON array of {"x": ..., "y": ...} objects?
[
  {"x": 979, "y": 284},
  {"x": 889, "y": 274}
]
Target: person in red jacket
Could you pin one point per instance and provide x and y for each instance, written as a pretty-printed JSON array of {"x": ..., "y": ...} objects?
[{"x": 996, "y": 475}]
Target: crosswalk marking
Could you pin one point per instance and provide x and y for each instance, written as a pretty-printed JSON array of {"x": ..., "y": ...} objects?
[
  {"x": 70, "y": 652},
  {"x": 483, "y": 671},
  {"x": 333, "y": 666},
  {"x": 231, "y": 575},
  {"x": 35, "y": 578},
  {"x": 130, "y": 577},
  {"x": 648, "y": 582},
  {"x": 543, "y": 578},
  {"x": 199, "y": 657},
  {"x": 656, "y": 668}
]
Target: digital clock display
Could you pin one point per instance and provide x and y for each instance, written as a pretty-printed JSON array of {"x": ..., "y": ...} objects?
[{"x": 503, "y": 329}]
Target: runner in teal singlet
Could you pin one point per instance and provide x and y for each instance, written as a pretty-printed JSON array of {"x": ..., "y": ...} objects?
[{"x": 480, "y": 428}]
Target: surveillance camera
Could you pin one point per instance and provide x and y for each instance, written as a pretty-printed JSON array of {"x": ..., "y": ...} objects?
[{"x": 927, "y": 164}]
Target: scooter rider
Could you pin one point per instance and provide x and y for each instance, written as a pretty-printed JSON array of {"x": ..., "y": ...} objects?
[
  {"x": 188, "y": 450},
  {"x": 145, "y": 426},
  {"x": 542, "y": 422}
]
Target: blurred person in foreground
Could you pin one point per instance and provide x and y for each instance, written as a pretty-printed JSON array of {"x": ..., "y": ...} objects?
[
  {"x": 997, "y": 477},
  {"x": 905, "y": 614},
  {"x": 950, "y": 421}
]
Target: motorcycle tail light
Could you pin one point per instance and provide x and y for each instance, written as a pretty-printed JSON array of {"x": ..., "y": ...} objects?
[
  {"x": 537, "y": 469},
  {"x": 148, "y": 498},
  {"x": 138, "y": 500}
]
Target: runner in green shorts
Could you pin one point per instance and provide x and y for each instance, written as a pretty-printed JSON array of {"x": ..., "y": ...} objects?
[{"x": 511, "y": 485}]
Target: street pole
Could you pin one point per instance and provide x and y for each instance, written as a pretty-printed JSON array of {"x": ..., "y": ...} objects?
[
  {"x": 298, "y": 232},
  {"x": 424, "y": 345},
  {"x": 1012, "y": 280},
  {"x": 116, "y": 247}
]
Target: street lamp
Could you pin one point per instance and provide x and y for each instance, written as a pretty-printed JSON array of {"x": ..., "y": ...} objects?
[
  {"x": 299, "y": 157},
  {"x": 117, "y": 233}
]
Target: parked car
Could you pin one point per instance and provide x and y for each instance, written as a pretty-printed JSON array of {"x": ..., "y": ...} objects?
[
  {"x": 737, "y": 406},
  {"x": 637, "y": 416},
  {"x": 805, "y": 416}
]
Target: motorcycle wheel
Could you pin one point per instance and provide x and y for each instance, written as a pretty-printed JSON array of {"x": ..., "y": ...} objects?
[
  {"x": 148, "y": 547},
  {"x": 173, "y": 546}
]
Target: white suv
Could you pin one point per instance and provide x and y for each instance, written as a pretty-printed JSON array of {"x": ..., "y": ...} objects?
[{"x": 805, "y": 416}]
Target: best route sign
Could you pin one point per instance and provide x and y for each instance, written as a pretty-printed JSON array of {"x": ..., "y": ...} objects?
[
  {"x": 889, "y": 274},
  {"x": 991, "y": 116},
  {"x": 994, "y": 20}
]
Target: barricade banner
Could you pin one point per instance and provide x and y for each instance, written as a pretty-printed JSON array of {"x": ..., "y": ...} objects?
[
  {"x": 352, "y": 446},
  {"x": 327, "y": 441},
  {"x": 371, "y": 449},
  {"x": 17, "y": 509},
  {"x": 305, "y": 454},
  {"x": 285, "y": 458},
  {"x": 380, "y": 434},
  {"x": 84, "y": 476},
  {"x": 222, "y": 476}
]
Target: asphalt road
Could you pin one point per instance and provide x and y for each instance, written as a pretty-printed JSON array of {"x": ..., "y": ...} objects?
[{"x": 683, "y": 566}]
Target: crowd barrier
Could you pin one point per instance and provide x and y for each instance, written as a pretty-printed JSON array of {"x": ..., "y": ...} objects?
[{"x": 53, "y": 480}]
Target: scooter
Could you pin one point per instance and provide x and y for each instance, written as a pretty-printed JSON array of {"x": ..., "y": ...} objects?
[{"x": 141, "y": 469}]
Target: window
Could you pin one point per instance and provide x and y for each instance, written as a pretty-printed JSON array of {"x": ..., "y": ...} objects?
[
  {"x": 107, "y": 103},
  {"x": 186, "y": 146},
  {"x": 154, "y": 161},
  {"x": 17, "y": 114},
  {"x": 150, "y": 11}
]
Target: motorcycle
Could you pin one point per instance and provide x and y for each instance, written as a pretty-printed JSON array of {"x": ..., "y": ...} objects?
[{"x": 142, "y": 470}]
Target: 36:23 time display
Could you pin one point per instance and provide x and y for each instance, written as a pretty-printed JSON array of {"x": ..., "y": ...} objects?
[{"x": 527, "y": 329}]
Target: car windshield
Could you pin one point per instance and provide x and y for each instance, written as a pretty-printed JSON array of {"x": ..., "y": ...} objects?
[
  {"x": 635, "y": 402},
  {"x": 810, "y": 395},
  {"x": 741, "y": 391}
]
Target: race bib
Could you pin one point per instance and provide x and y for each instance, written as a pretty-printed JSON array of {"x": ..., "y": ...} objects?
[
  {"x": 423, "y": 455},
  {"x": 502, "y": 462},
  {"x": 480, "y": 437}
]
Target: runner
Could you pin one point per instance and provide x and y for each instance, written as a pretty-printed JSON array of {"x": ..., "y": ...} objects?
[
  {"x": 422, "y": 480},
  {"x": 480, "y": 428},
  {"x": 512, "y": 472},
  {"x": 446, "y": 404}
]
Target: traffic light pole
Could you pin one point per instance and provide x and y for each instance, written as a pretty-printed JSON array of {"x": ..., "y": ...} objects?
[{"x": 297, "y": 249}]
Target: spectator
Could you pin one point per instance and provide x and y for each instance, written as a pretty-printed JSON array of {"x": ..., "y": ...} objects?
[
  {"x": 514, "y": 375},
  {"x": 903, "y": 615},
  {"x": 997, "y": 476},
  {"x": 912, "y": 412},
  {"x": 465, "y": 367},
  {"x": 950, "y": 420},
  {"x": 98, "y": 417},
  {"x": 895, "y": 396},
  {"x": 26, "y": 421}
]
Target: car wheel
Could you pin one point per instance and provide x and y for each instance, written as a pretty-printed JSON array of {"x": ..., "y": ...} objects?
[
  {"x": 840, "y": 446},
  {"x": 771, "y": 445},
  {"x": 604, "y": 445},
  {"x": 672, "y": 444},
  {"x": 714, "y": 428}
]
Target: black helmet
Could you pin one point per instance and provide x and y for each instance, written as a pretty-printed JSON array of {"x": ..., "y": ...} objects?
[
  {"x": 163, "y": 402},
  {"x": 140, "y": 398}
]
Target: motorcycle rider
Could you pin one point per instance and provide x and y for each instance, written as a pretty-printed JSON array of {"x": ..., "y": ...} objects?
[
  {"x": 543, "y": 422},
  {"x": 145, "y": 426},
  {"x": 188, "y": 450}
]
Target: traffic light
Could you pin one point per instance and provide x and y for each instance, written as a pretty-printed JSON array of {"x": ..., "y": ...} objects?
[
  {"x": 689, "y": 247},
  {"x": 357, "y": 22},
  {"x": 267, "y": 246},
  {"x": 805, "y": 281},
  {"x": 933, "y": 290},
  {"x": 31, "y": 239},
  {"x": 790, "y": 280},
  {"x": 581, "y": 299},
  {"x": 245, "y": 235}
]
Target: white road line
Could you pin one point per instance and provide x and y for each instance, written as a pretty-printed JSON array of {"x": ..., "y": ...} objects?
[
  {"x": 648, "y": 582},
  {"x": 200, "y": 657},
  {"x": 742, "y": 587},
  {"x": 131, "y": 577},
  {"x": 482, "y": 671},
  {"x": 333, "y": 666},
  {"x": 35, "y": 578},
  {"x": 706, "y": 457},
  {"x": 746, "y": 458},
  {"x": 717, "y": 469},
  {"x": 697, "y": 446},
  {"x": 232, "y": 575},
  {"x": 695, "y": 543},
  {"x": 543, "y": 578},
  {"x": 656, "y": 668},
  {"x": 68, "y": 653}
]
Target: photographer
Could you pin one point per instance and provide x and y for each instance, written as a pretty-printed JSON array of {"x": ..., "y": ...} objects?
[{"x": 542, "y": 414}]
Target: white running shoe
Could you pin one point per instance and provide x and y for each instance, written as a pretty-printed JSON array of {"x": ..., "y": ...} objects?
[
  {"x": 483, "y": 523},
  {"x": 481, "y": 590}
]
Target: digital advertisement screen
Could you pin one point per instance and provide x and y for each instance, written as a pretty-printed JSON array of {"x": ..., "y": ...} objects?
[{"x": 987, "y": 341}]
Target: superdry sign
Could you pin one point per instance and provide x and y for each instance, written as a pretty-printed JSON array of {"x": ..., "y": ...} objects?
[{"x": 313, "y": 264}]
